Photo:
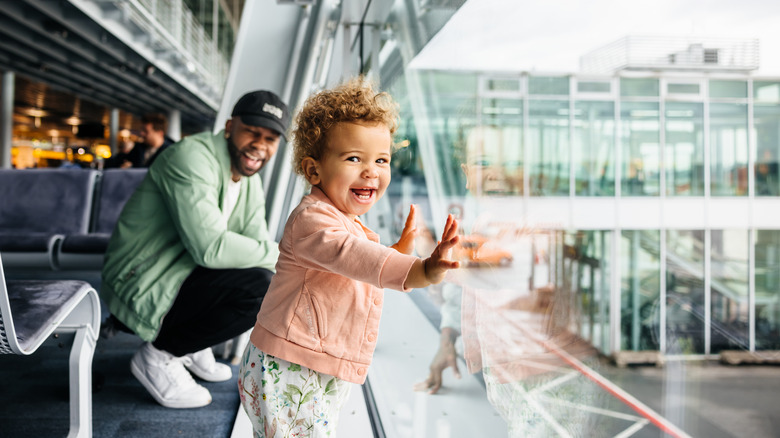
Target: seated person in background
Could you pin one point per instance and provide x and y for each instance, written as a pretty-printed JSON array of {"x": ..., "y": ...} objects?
[
  {"x": 123, "y": 158},
  {"x": 190, "y": 258},
  {"x": 316, "y": 330},
  {"x": 154, "y": 127}
]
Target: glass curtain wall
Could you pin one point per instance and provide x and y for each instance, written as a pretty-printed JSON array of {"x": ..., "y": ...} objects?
[
  {"x": 767, "y": 295},
  {"x": 591, "y": 286},
  {"x": 641, "y": 143},
  {"x": 685, "y": 294},
  {"x": 593, "y": 151},
  {"x": 729, "y": 287},
  {"x": 640, "y": 290},
  {"x": 684, "y": 148},
  {"x": 766, "y": 126},
  {"x": 548, "y": 141},
  {"x": 728, "y": 149},
  {"x": 488, "y": 133}
]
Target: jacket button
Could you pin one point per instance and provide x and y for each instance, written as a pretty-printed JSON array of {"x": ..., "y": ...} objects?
[
  {"x": 371, "y": 337},
  {"x": 361, "y": 371},
  {"x": 377, "y": 301}
]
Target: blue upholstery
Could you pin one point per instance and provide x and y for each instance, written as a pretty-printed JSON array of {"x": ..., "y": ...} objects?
[
  {"x": 54, "y": 201},
  {"x": 93, "y": 243},
  {"x": 85, "y": 251},
  {"x": 116, "y": 187},
  {"x": 38, "y": 206},
  {"x": 17, "y": 241}
]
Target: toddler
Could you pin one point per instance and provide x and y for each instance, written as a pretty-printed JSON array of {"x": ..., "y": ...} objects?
[{"x": 317, "y": 328}]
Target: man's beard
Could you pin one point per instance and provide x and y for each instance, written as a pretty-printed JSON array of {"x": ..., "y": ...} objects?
[{"x": 235, "y": 159}]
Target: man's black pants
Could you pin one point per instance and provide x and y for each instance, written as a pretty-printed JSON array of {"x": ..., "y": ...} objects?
[{"x": 213, "y": 305}]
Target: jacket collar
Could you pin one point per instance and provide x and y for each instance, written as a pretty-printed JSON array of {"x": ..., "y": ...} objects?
[
  {"x": 318, "y": 195},
  {"x": 223, "y": 156}
]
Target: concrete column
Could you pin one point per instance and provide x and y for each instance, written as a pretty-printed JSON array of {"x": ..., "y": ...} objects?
[
  {"x": 6, "y": 119},
  {"x": 174, "y": 124},
  {"x": 113, "y": 130}
]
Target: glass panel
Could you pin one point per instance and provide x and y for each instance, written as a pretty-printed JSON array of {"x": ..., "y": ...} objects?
[
  {"x": 640, "y": 140},
  {"x": 448, "y": 116},
  {"x": 494, "y": 151},
  {"x": 720, "y": 88},
  {"x": 684, "y": 292},
  {"x": 548, "y": 86},
  {"x": 682, "y": 88},
  {"x": 640, "y": 288},
  {"x": 684, "y": 152},
  {"x": 592, "y": 286},
  {"x": 729, "y": 288},
  {"x": 593, "y": 148},
  {"x": 594, "y": 86},
  {"x": 449, "y": 83},
  {"x": 548, "y": 142},
  {"x": 765, "y": 91},
  {"x": 639, "y": 87},
  {"x": 766, "y": 119},
  {"x": 728, "y": 149},
  {"x": 768, "y": 290},
  {"x": 503, "y": 84}
]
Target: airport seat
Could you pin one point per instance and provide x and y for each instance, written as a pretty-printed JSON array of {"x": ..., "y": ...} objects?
[
  {"x": 33, "y": 311},
  {"x": 85, "y": 251},
  {"x": 38, "y": 208}
]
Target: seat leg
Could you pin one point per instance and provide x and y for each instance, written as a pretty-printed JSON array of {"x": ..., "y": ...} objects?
[{"x": 81, "y": 383}]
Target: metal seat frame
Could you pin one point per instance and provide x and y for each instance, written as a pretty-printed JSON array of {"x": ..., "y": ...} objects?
[{"x": 76, "y": 317}]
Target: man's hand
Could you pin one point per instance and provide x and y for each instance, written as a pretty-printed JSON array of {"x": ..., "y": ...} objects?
[
  {"x": 446, "y": 357},
  {"x": 405, "y": 243}
]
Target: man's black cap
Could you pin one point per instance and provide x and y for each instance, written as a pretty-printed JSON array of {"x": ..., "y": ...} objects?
[{"x": 265, "y": 109}]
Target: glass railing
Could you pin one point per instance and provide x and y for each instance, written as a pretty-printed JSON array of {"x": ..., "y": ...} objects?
[{"x": 172, "y": 29}]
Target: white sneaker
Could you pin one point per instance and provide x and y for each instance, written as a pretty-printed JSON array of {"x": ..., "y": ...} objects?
[
  {"x": 164, "y": 376},
  {"x": 203, "y": 365}
]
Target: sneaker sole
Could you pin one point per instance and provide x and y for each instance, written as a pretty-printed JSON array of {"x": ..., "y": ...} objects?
[
  {"x": 176, "y": 404},
  {"x": 207, "y": 376}
]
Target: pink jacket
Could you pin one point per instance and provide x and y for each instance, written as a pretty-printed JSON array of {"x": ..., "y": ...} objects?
[{"x": 323, "y": 306}]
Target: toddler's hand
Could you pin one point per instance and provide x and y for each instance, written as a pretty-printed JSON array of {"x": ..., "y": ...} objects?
[
  {"x": 405, "y": 243},
  {"x": 437, "y": 265}
]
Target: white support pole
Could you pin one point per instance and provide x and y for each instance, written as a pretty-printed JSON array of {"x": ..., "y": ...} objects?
[
  {"x": 174, "y": 124},
  {"x": 6, "y": 119}
]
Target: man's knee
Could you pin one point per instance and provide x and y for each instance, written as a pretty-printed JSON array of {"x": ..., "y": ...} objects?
[{"x": 256, "y": 281}]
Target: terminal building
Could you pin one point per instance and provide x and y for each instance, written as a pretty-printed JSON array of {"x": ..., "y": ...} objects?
[{"x": 632, "y": 203}]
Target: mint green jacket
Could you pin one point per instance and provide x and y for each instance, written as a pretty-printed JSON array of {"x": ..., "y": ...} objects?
[{"x": 173, "y": 223}]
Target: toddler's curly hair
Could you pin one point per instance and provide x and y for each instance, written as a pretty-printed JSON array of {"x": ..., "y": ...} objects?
[{"x": 354, "y": 101}]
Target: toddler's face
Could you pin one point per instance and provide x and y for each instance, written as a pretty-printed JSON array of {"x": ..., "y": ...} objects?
[{"x": 354, "y": 170}]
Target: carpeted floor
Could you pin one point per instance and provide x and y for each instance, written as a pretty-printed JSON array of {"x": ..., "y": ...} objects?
[{"x": 34, "y": 398}]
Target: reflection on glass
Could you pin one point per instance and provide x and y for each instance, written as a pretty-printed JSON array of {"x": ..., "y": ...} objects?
[
  {"x": 501, "y": 84},
  {"x": 768, "y": 290},
  {"x": 645, "y": 87},
  {"x": 684, "y": 152},
  {"x": 729, "y": 287},
  {"x": 640, "y": 290},
  {"x": 593, "y": 148},
  {"x": 766, "y": 91},
  {"x": 728, "y": 89},
  {"x": 590, "y": 265},
  {"x": 766, "y": 119},
  {"x": 541, "y": 85},
  {"x": 684, "y": 292},
  {"x": 728, "y": 149},
  {"x": 548, "y": 142},
  {"x": 640, "y": 139},
  {"x": 493, "y": 164}
]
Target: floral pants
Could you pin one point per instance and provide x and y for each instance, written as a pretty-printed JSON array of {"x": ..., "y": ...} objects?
[{"x": 285, "y": 400}]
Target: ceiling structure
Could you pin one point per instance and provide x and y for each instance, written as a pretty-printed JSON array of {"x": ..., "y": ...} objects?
[{"x": 68, "y": 66}]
